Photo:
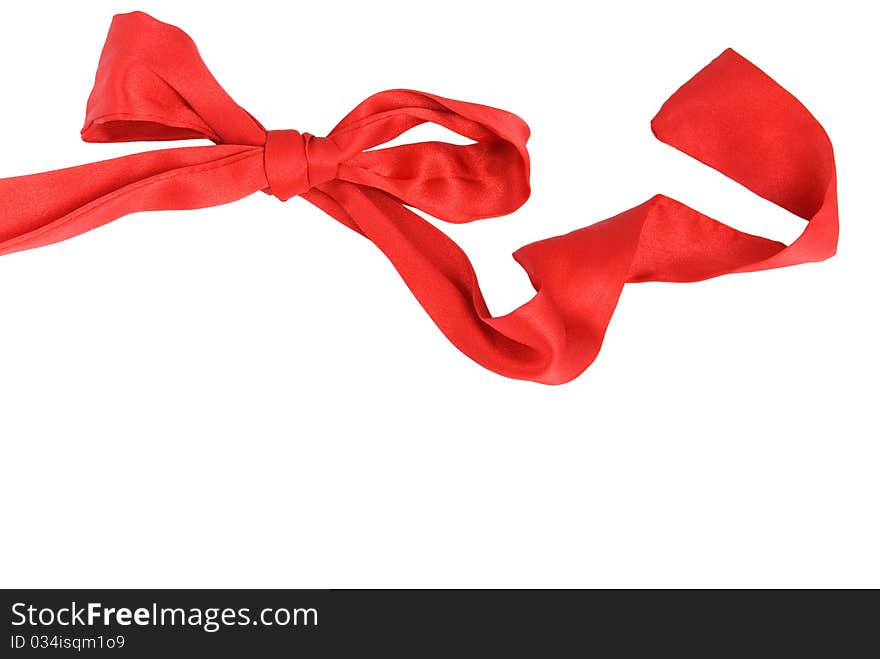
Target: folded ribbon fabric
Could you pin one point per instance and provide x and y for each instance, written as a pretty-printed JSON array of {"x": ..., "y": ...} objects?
[{"x": 152, "y": 85}]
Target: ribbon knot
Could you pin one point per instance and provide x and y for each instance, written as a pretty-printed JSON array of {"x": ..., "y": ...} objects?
[{"x": 297, "y": 162}]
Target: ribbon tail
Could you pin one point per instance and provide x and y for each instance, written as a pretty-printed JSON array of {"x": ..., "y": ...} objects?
[
  {"x": 41, "y": 209},
  {"x": 736, "y": 119}
]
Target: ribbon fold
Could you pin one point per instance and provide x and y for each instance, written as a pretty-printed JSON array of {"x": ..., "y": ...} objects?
[{"x": 152, "y": 85}]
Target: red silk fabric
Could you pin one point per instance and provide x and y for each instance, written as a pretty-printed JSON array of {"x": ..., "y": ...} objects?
[{"x": 152, "y": 85}]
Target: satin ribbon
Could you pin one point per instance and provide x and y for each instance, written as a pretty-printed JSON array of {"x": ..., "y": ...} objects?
[{"x": 151, "y": 84}]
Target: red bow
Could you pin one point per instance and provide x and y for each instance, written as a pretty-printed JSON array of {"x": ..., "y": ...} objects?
[{"x": 152, "y": 85}]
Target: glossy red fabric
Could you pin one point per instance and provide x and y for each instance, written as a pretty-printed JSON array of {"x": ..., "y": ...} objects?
[{"x": 152, "y": 85}]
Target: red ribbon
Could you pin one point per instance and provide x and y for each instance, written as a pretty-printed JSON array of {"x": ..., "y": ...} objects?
[{"x": 152, "y": 85}]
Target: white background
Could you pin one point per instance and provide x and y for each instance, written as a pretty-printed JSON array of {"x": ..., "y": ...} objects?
[{"x": 249, "y": 395}]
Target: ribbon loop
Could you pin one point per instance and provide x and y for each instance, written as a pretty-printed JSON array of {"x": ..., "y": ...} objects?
[{"x": 152, "y": 84}]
